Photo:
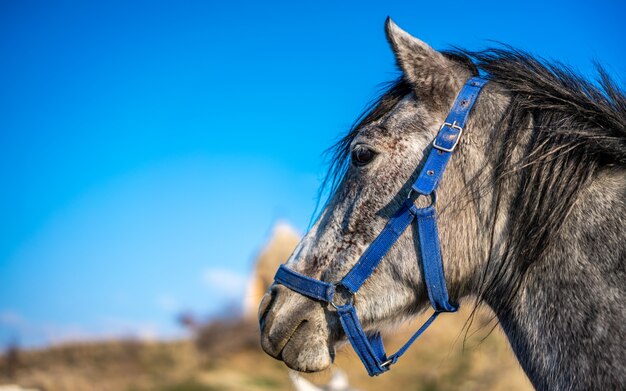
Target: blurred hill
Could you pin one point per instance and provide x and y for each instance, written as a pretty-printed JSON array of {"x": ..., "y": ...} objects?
[{"x": 225, "y": 354}]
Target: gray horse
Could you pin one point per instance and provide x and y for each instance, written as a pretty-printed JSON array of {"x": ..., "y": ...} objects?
[{"x": 531, "y": 215}]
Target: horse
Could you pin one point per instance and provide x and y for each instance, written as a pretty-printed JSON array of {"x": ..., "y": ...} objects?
[{"x": 531, "y": 215}]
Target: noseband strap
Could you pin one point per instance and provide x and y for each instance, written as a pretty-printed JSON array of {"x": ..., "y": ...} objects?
[{"x": 370, "y": 347}]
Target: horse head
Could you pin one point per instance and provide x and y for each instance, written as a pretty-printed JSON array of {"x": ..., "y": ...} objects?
[{"x": 380, "y": 158}]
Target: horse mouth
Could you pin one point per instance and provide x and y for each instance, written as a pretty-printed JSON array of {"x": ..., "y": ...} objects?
[
  {"x": 301, "y": 344},
  {"x": 302, "y": 351}
]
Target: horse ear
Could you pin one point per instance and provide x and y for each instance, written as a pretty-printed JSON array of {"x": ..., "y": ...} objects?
[{"x": 431, "y": 74}]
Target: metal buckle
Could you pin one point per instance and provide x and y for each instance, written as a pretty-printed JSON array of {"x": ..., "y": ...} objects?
[
  {"x": 452, "y": 125},
  {"x": 350, "y": 301}
]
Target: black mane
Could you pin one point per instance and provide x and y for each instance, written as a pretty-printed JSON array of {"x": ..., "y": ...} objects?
[
  {"x": 594, "y": 114},
  {"x": 576, "y": 128}
]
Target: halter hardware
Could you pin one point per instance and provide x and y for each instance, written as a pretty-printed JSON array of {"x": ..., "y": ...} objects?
[
  {"x": 433, "y": 197},
  {"x": 454, "y": 137},
  {"x": 349, "y": 302},
  {"x": 386, "y": 363},
  {"x": 369, "y": 346}
]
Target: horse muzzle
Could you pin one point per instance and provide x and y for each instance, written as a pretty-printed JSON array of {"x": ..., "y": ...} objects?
[{"x": 294, "y": 330}]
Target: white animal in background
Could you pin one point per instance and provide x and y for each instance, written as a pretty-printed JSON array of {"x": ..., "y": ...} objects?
[
  {"x": 15, "y": 387},
  {"x": 338, "y": 382}
]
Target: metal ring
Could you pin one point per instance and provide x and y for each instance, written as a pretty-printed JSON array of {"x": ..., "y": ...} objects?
[
  {"x": 350, "y": 301},
  {"x": 433, "y": 196}
]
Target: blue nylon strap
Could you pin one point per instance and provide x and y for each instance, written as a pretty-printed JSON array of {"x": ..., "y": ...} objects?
[
  {"x": 378, "y": 248},
  {"x": 448, "y": 137},
  {"x": 370, "y": 348},
  {"x": 376, "y": 342},
  {"x": 372, "y": 355},
  {"x": 432, "y": 264},
  {"x": 394, "y": 357},
  {"x": 304, "y": 285}
]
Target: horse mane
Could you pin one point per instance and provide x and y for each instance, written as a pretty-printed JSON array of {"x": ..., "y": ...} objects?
[
  {"x": 594, "y": 114},
  {"x": 569, "y": 126}
]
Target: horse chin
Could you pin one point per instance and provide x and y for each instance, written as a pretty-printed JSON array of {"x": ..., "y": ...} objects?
[{"x": 305, "y": 353}]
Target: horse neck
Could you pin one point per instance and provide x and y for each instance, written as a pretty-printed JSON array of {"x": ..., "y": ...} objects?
[{"x": 567, "y": 323}]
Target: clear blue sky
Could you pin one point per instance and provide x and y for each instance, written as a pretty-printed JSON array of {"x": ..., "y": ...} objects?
[{"x": 147, "y": 149}]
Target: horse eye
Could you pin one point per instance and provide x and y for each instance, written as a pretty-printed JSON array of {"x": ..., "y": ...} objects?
[{"x": 361, "y": 155}]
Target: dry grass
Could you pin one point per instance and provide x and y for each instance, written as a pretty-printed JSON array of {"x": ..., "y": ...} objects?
[{"x": 226, "y": 357}]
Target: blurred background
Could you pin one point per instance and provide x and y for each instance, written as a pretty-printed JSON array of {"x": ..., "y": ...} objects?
[{"x": 159, "y": 159}]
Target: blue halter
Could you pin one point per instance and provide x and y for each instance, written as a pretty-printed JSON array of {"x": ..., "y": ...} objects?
[{"x": 370, "y": 347}]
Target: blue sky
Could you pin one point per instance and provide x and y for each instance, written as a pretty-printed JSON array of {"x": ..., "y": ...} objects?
[{"x": 147, "y": 148}]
